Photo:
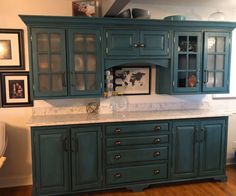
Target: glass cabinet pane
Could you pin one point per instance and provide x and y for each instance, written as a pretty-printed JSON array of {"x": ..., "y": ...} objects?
[
  {"x": 56, "y": 63},
  {"x": 192, "y": 79},
  {"x": 182, "y": 61},
  {"x": 211, "y": 44},
  {"x": 57, "y": 82},
  {"x": 79, "y": 43},
  {"x": 91, "y": 81},
  {"x": 42, "y": 42},
  {"x": 91, "y": 63},
  {"x": 219, "y": 79},
  {"x": 211, "y": 62},
  {"x": 220, "y": 46},
  {"x": 182, "y": 44},
  {"x": 220, "y": 62},
  {"x": 192, "y": 46},
  {"x": 192, "y": 65},
  {"x": 44, "y": 83},
  {"x": 43, "y": 63},
  {"x": 79, "y": 62},
  {"x": 91, "y": 43},
  {"x": 182, "y": 77},
  {"x": 80, "y": 82},
  {"x": 210, "y": 79},
  {"x": 55, "y": 42}
]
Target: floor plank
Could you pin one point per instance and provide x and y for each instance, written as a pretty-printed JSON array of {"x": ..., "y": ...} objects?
[{"x": 180, "y": 189}]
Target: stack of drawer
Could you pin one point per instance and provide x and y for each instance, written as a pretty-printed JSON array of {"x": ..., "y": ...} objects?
[{"x": 137, "y": 152}]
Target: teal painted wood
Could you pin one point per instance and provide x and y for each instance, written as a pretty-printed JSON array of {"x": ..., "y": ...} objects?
[
  {"x": 185, "y": 149},
  {"x": 121, "y": 42},
  {"x": 154, "y": 43},
  {"x": 85, "y": 61},
  {"x": 51, "y": 152},
  {"x": 136, "y": 173},
  {"x": 86, "y": 157},
  {"x": 219, "y": 72},
  {"x": 213, "y": 135},
  {"x": 189, "y": 64},
  {"x": 49, "y": 63}
]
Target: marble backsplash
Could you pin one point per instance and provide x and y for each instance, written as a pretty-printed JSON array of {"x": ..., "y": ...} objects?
[{"x": 120, "y": 104}]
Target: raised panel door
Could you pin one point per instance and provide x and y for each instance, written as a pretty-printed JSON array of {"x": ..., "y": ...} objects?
[
  {"x": 86, "y": 157},
  {"x": 51, "y": 160}
]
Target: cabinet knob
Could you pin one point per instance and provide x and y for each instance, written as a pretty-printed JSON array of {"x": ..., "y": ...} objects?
[
  {"x": 141, "y": 45},
  {"x": 117, "y": 130},
  {"x": 156, "y": 171},
  {"x": 118, "y": 175},
  {"x": 156, "y": 154},
  {"x": 157, "y": 140},
  {"x": 117, "y": 157},
  {"x": 135, "y": 45},
  {"x": 117, "y": 143},
  {"x": 157, "y": 128}
]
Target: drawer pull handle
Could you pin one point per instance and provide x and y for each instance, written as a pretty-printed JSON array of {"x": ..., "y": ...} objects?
[
  {"x": 118, "y": 175},
  {"x": 156, "y": 171},
  {"x": 117, "y": 130},
  {"x": 156, "y": 154},
  {"x": 117, "y": 142},
  {"x": 157, "y": 140},
  {"x": 157, "y": 128},
  {"x": 117, "y": 157}
]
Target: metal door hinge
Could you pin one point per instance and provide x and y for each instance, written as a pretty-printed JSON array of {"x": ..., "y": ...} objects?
[
  {"x": 100, "y": 38},
  {"x": 31, "y": 38},
  {"x": 168, "y": 35},
  {"x": 173, "y": 83},
  {"x": 33, "y": 88},
  {"x": 168, "y": 50},
  {"x": 106, "y": 50},
  {"x": 101, "y": 85},
  {"x": 106, "y": 34}
]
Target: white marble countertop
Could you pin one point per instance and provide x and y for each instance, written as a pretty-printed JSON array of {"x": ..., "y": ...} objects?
[{"x": 69, "y": 119}]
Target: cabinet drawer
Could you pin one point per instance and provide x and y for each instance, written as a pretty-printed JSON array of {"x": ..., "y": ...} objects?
[
  {"x": 125, "y": 141},
  {"x": 136, "y": 173},
  {"x": 137, "y": 128},
  {"x": 134, "y": 155}
]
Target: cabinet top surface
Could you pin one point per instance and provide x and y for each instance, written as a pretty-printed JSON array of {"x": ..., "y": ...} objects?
[
  {"x": 37, "y": 20},
  {"x": 70, "y": 119}
]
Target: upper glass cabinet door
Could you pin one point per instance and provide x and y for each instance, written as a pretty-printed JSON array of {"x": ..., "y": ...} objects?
[
  {"x": 187, "y": 60},
  {"x": 84, "y": 62},
  {"x": 216, "y": 62},
  {"x": 49, "y": 63}
]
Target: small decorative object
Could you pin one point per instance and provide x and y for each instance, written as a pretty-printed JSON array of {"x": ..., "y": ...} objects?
[
  {"x": 141, "y": 13},
  {"x": 15, "y": 89},
  {"x": 125, "y": 14},
  {"x": 92, "y": 107},
  {"x": 11, "y": 49},
  {"x": 89, "y": 8},
  {"x": 192, "y": 80},
  {"x": 217, "y": 16},
  {"x": 132, "y": 80},
  {"x": 175, "y": 17},
  {"x": 109, "y": 83}
]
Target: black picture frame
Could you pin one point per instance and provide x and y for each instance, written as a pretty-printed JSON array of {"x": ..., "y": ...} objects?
[
  {"x": 137, "y": 86},
  {"x": 15, "y": 89},
  {"x": 12, "y": 49}
]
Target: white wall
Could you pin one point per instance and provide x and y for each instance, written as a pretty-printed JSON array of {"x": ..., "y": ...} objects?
[{"x": 17, "y": 168}]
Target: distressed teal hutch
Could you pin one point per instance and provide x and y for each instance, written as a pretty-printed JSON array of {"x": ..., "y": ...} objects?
[{"x": 68, "y": 57}]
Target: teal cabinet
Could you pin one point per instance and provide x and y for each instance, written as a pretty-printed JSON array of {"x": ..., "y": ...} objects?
[
  {"x": 213, "y": 136},
  {"x": 49, "y": 62},
  {"x": 51, "y": 160},
  {"x": 66, "y": 159},
  {"x": 199, "y": 148},
  {"x": 185, "y": 149},
  {"x": 126, "y": 43},
  {"x": 187, "y": 62},
  {"x": 84, "y": 62},
  {"x": 86, "y": 157},
  {"x": 66, "y": 64},
  {"x": 216, "y": 62}
]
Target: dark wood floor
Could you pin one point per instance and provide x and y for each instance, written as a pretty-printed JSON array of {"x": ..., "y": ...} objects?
[{"x": 184, "y": 189}]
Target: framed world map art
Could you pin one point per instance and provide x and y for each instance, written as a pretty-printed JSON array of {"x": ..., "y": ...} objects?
[{"x": 132, "y": 80}]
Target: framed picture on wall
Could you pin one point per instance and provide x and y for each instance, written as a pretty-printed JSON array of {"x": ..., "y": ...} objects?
[
  {"x": 133, "y": 80},
  {"x": 15, "y": 89},
  {"x": 11, "y": 49}
]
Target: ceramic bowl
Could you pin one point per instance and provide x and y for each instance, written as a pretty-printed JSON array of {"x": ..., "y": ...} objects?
[
  {"x": 175, "y": 17},
  {"x": 125, "y": 14},
  {"x": 140, "y": 13}
]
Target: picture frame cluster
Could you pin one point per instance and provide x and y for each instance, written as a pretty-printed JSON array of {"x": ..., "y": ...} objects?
[{"x": 14, "y": 82}]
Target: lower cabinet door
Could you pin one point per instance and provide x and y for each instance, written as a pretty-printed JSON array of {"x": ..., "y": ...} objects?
[
  {"x": 185, "y": 149},
  {"x": 86, "y": 157},
  {"x": 213, "y": 147},
  {"x": 51, "y": 160}
]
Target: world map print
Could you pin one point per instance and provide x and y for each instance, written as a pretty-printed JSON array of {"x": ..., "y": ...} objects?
[{"x": 132, "y": 80}]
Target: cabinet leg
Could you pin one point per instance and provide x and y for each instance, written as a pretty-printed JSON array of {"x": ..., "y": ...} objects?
[
  {"x": 221, "y": 178},
  {"x": 137, "y": 188}
]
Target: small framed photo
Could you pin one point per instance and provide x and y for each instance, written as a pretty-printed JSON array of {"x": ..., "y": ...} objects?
[
  {"x": 15, "y": 89},
  {"x": 132, "y": 80},
  {"x": 89, "y": 8},
  {"x": 11, "y": 49}
]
